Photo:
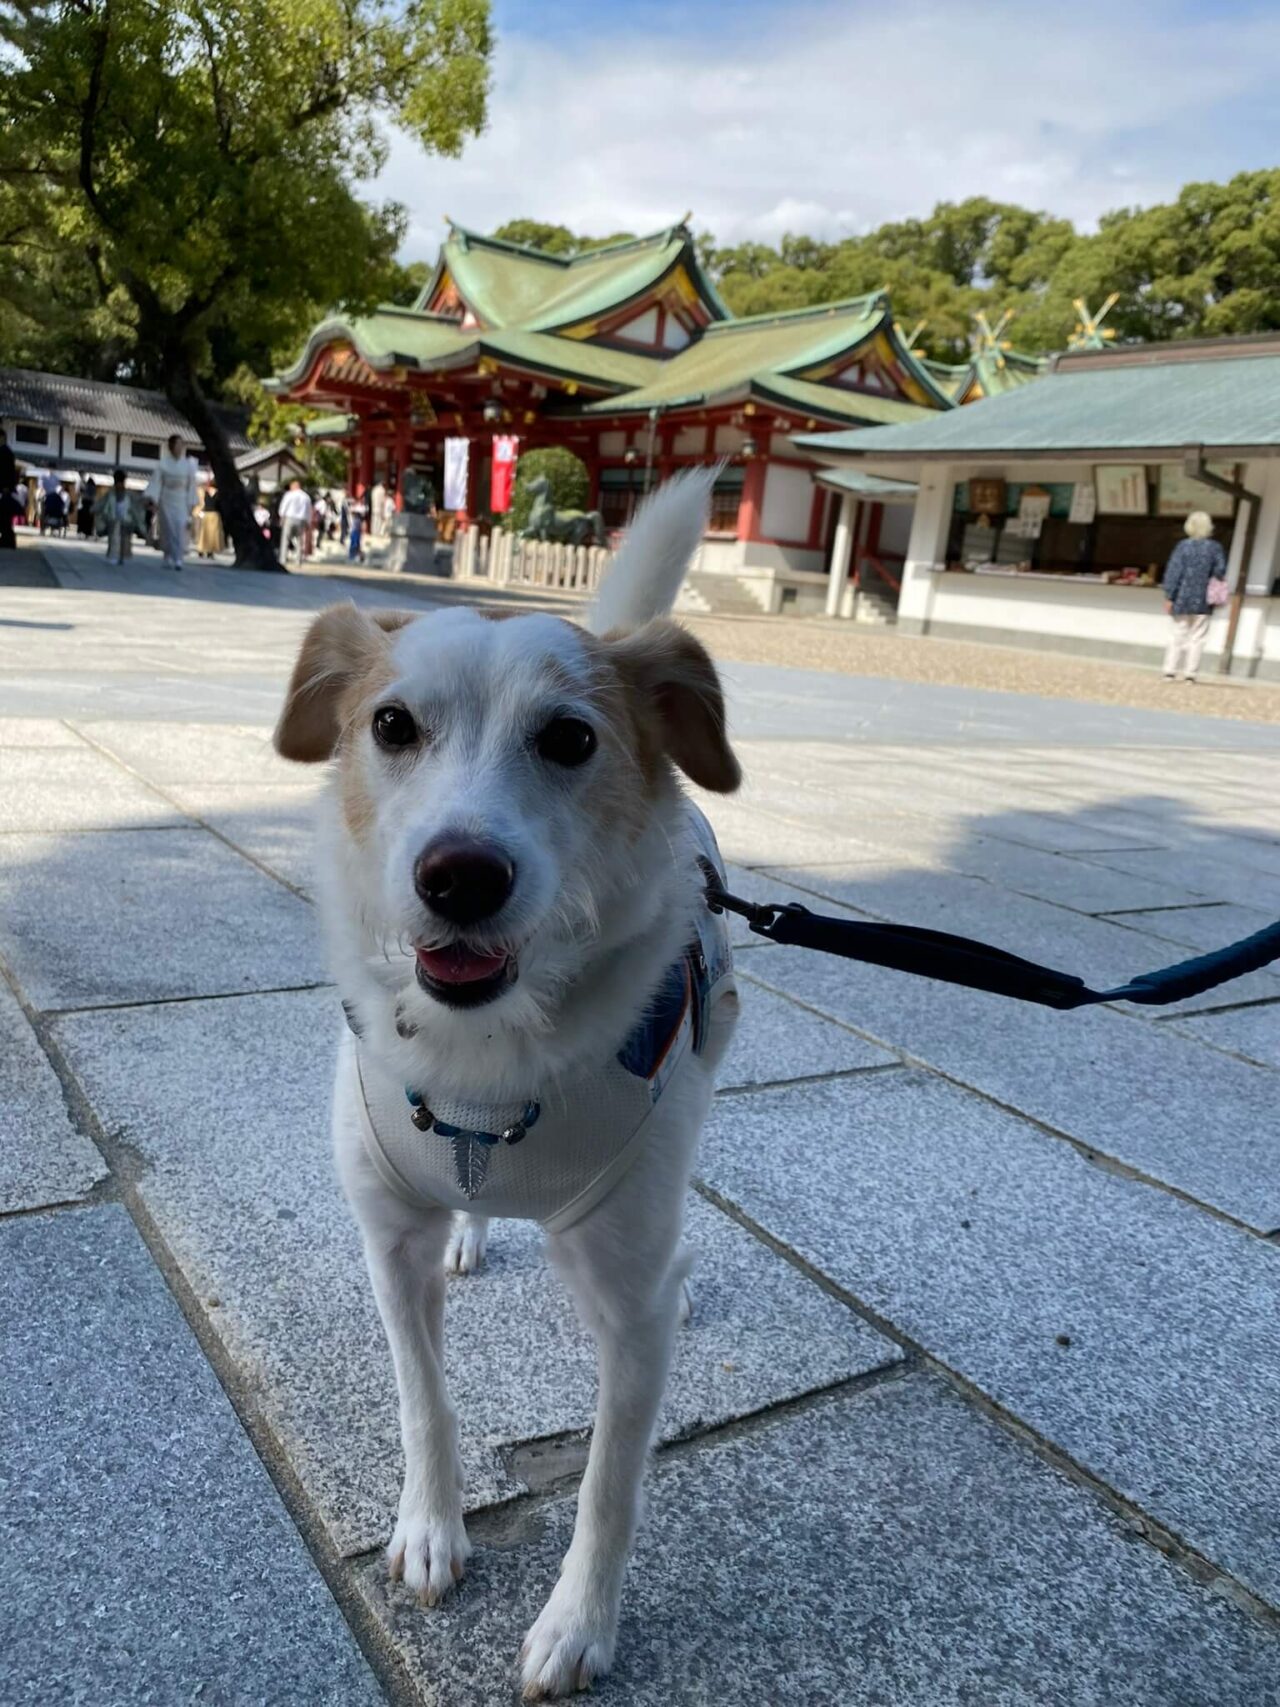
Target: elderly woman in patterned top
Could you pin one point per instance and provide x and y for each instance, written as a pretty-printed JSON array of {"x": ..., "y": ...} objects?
[{"x": 1193, "y": 563}]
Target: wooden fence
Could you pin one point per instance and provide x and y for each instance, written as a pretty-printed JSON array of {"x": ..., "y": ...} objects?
[{"x": 506, "y": 560}]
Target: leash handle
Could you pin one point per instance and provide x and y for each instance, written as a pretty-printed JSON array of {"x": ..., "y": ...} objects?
[{"x": 979, "y": 966}]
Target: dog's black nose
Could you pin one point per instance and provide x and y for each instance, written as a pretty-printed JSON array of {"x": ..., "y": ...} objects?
[{"x": 463, "y": 880}]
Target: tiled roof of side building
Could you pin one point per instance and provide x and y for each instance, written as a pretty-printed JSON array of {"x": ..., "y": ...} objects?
[
  {"x": 1159, "y": 407},
  {"x": 506, "y": 285},
  {"x": 96, "y": 406}
]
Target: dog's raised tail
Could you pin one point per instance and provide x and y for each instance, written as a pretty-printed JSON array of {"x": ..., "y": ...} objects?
[{"x": 645, "y": 576}]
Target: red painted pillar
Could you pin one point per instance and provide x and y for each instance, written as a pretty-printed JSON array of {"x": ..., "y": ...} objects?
[
  {"x": 752, "y": 501},
  {"x": 366, "y": 459},
  {"x": 403, "y": 444}
]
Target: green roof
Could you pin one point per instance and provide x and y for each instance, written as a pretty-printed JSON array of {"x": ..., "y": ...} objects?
[
  {"x": 861, "y": 485},
  {"x": 1156, "y": 407},
  {"x": 328, "y": 427},
  {"x": 403, "y": 337},
  {"x": 507, "y": 285},
  {"x": 533, "y": 310},
  {"x": 762, "y": 356}
]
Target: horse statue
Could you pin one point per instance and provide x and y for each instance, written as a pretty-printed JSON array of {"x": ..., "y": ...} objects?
[{"x": 562, "y": 527}]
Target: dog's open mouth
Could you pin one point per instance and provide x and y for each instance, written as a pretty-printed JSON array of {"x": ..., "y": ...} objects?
[{"x": 463, "y": 977}]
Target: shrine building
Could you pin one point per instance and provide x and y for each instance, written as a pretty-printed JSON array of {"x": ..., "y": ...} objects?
[{"x": 626, "y": 356}]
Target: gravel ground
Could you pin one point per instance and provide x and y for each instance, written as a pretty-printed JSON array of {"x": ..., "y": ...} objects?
[
  {"x": 857, "y": 649},
  {"x": 854, "y": 649}
]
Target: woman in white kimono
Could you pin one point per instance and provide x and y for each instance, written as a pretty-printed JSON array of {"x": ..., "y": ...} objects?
[{"x": 173, "y": 490}]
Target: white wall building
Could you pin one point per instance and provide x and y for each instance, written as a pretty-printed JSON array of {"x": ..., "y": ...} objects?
[{"x": 1045, "y": 517}]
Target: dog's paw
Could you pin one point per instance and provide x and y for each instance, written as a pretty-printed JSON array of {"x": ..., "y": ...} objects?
[
  {"x": 429, "y": 1555},
  {"x": 468, "y": 1242},
  {"x": 685, "y": 1306},
  {"x": 569, "y": 1646}
]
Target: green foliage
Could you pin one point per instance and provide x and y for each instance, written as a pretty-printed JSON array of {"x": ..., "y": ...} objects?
[
  {"x": 1205, "y": 264},
  {"x": 271, "y": 422},
  {"x": 553, "y": 239},
  {"x": 570, "y": 483},
  {"x": 187, "y": 172}
]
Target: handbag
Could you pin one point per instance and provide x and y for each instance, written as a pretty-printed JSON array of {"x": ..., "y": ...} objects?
[{"x": 1217, "y": 592}]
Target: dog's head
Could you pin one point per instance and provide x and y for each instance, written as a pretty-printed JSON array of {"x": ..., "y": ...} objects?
[{"x": 501, "y": 781}]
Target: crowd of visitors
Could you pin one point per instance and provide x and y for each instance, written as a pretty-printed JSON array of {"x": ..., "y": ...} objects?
[{"x": 173, "y": 512}]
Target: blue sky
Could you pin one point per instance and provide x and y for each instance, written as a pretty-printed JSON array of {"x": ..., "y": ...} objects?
[{"x": 830, "y": 116}]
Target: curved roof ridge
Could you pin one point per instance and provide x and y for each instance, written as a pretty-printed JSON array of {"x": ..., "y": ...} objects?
[
  {"x": 789, "y": 316},
  {"x": 529, "y": 251}
]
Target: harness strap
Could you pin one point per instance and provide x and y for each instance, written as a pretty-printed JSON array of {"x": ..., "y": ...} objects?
[{"x": 979, "y": 966}]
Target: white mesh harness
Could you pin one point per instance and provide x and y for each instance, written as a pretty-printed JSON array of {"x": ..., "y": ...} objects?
[{"x": 553, "y": 1156}]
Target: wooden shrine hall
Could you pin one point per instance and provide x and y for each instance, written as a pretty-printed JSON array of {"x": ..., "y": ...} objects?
[{"x": 626, "y": 356}]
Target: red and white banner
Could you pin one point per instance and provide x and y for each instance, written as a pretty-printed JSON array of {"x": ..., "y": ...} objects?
[{"x": 502, "y": 477}]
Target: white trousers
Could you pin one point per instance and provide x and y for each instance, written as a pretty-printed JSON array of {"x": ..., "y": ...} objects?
[
  {"x": 1186, "y": 641},
  {"x": 291, "y": 529}
]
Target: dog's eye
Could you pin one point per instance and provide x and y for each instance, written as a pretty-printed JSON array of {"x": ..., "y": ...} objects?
[
  {"x": 393, "y": 727},
  {"x": 566, "y": 741}
]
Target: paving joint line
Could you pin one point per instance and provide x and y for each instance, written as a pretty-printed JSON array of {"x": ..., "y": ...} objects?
[
  {"x": 192, "y": 818},
  {"x": 826, "y": 1078},
  {"x": 1090, "y": 1152},
  {"x": 507, "y": 1521},
  {"x": 123, "y": 1163},
  {"x": 181, "y": 1001},
  {"x": 1139, "y": 1522}
]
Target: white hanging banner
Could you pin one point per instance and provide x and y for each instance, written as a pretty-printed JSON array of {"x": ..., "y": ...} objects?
[
  {"x": 1084, "y": 502},
  {"x": 456, "y": 454}
]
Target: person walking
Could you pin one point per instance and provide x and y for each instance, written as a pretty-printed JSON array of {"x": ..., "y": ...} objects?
[
  {"x": 355, "y": 533},
  {"x": 210, "y": 538},
  {"x": 1194, "y": 565},
  {"x": 115, "y": 517},
  {"x": 295, "y": 519},
  {"x": 8, "y": 493},
  {"x": 86, "y": 506},
  {"x": 173, "y": 489}
]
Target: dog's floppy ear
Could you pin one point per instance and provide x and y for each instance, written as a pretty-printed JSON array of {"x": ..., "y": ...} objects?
[
  {"x": 341, "y": 644},
  {"x": 673, "y": 684}
]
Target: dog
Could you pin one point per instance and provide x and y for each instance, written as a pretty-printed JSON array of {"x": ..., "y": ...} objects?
[{"x": 513, "y": 888}]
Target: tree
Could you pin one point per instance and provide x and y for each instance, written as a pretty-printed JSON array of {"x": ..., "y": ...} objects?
[
  {"x": 553, "y": 239},
  {"x": 570, "y": 483},
  {"x": 194, "y": 165}
]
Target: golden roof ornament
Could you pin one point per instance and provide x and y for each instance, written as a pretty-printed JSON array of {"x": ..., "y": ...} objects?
[{"x": 1089, "y": 333}]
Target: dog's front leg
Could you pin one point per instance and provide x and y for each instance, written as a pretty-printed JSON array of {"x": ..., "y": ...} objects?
[
  {"x": 429, "y": 1547},
  {"x": 629, "y": 1300}
]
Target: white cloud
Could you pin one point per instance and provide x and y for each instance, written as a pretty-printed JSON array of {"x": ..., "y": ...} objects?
[{"x": 829, "y": 118}]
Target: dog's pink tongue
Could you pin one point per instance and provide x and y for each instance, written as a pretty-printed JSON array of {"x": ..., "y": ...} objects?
[{"x": 459, "y": 964}]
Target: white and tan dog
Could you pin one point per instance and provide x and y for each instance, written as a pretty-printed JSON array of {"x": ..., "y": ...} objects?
[{"x": 511, "y": 882}]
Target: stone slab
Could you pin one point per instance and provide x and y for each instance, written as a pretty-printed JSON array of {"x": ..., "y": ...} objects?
[
  {"x": 273, "y": 823},
  {"x": 1251, "y": 1032},
  {"x": 146, "y": 1556},
  {"x": 985, "y": 1241},
  {"x": 43, "y": 1159},
  {"x": 144, "y": 915},
  {"x": 777, "y": 1039},
  {"x": 894, "y": 1548},
  {"x": 37, "y": 732},
  {"x": 1225, "y": 872},
  {"x": 241, "y": 1185},
  {"x": 750, "y": 835},
  {"x": 1032, "y": 872},
  {"x": 1203, "y": 928},
  {"x": 63, "y": 788},
  {"x": 1128, "y": 1088},
  {"x": 194, "y": 752}
]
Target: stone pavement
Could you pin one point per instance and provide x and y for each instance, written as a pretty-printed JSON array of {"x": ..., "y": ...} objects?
[{"x": 981, "y": 1396}]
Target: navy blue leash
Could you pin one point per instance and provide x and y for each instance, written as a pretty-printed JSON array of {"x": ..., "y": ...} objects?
[{"x": 978, "y": 966}]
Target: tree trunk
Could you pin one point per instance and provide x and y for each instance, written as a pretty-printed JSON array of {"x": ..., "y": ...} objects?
[{"x": 253, "y": 550}]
